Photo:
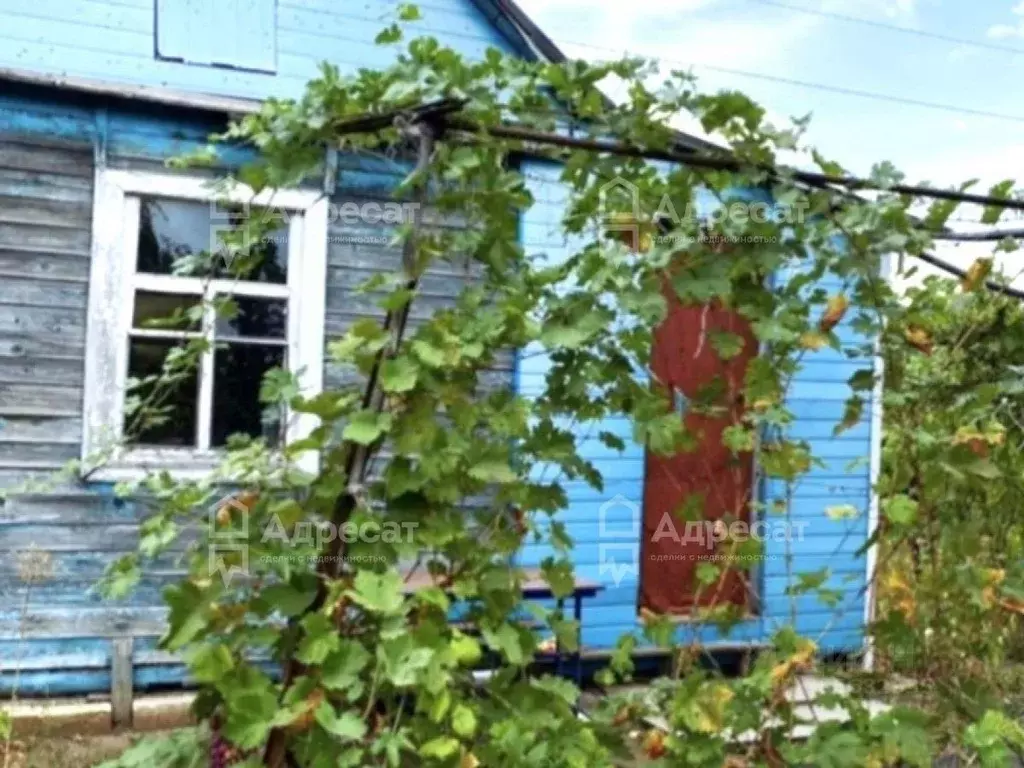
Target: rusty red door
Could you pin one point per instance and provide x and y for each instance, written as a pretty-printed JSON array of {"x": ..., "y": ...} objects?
[{"x": 685, "y": 361}]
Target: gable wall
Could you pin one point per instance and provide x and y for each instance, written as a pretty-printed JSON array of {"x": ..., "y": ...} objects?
[
  {"x": 114, "y": 41},
  {"x": 607, "y": 552}
]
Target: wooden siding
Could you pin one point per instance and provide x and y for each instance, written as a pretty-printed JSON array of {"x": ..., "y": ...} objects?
[
  {"x": 605, "y": 525},
  {"x": 115, "y": 41},
  {"x": 55, "y": 543},
  {"x": 45, "y": 210}
]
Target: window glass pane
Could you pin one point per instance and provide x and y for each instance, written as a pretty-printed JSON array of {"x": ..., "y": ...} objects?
[
  {"x": 166, "y": 310},
  {"x": 262, "y": 262},
  {"x": 238, "y": 373},
  {"x": 171, "y": 230},
  {"x": 255, "y": 318},
  {"x": 169, "y": 418}
]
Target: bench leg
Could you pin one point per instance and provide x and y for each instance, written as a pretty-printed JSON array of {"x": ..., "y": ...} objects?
[
  {"x": 560, "y": 605},
  {"x": 578, "y": 615}
]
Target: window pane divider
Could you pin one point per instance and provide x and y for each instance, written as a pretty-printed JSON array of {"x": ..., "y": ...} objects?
[
  {"x": 168, "y": 284},
  {"x": 199, "y": 285},
  {"x": 204, "y": 408},
  {"x": 252, "y": 340},
  {"x": 159, "y": 333},
  {"x": 248, "y": 288}
]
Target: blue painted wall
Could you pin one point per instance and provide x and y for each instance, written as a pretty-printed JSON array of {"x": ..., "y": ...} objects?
[
  {"x": 54, "y": 633},
  {"x": 115, "y": 41},
  {"x": 817, "y": 398}
]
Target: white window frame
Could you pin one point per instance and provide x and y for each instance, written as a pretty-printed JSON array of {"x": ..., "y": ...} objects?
[{"x": 113, "y": 283}]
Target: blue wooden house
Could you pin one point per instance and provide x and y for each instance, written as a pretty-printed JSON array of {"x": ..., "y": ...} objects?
[{"x": 94, "y": 96}]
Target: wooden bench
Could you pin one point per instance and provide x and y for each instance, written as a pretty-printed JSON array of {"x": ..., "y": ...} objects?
[{"x": 534, "y": 587}]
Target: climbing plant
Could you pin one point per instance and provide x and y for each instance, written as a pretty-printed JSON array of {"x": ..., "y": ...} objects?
[
  {"x": 317, "y": 651},
  {"x": 951, "y": 483}
]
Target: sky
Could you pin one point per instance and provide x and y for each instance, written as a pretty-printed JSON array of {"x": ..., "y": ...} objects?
[{"x": 786, "y": 39}]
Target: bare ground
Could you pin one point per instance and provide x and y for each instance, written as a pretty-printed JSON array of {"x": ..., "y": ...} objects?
[{"x": 70, "y": 752}]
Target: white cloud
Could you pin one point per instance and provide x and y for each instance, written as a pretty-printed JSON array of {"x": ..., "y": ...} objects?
[
  {"x": 679, "y": 32},
  {"x": 693, "y": 32},
  {"x": 1004, "y": 31},
  {"x": 960, "y": 53},
  {"x": 866, "y": 8},
  {"x": 682, "y": 34},
  {"x": 989, "y": 163}
]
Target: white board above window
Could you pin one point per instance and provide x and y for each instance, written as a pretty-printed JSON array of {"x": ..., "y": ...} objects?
[{"x": 240, "y": 34}]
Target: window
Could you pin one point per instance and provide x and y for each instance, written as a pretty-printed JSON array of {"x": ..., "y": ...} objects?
[
  {"x": 139, "y": 314},
  {"x": 228, "y": 33}
]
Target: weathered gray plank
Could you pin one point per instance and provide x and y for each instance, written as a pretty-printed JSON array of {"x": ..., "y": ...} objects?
[
  {"x": 348, "y": 279},
  {"x": 59, "y": 141},
  {"x": 80, "y": 538},
  {"x": 43, "y": 237},
  {"x": 504, "y": 359},
  {"x": 43, "y": 322},
  {"x": 37, "y": 481},
  {"x": 14, "y": 344},
  {"x": 52, "y": 661},
  {"x": 59, "y": 429},
  {"x": 82, "y": 508},
  {"x": 370, "y": 220},
  {"x": 359, "y": 305},
  {"x": 40, "y": 399},
  {"x": 82, "y": 567},
  {"x": 69, "y": 538},
  {"x": 84, "y": 593},
  {"x": 44, "y": 265},
  {"x": 352, "y": 304},
  {"x": 24, "y": 156},
  {"x": 51, "y": 213},
  {"x": 345, "y": 253},
  {"x": 338, "y": 376},
  {"x": 42, "y": 293},
  {"x": 15, "y": 452},
  {"x": 46, "y": 186},
  {"x": 79, "y": 622},
  {"x": 68, "y": 371}
]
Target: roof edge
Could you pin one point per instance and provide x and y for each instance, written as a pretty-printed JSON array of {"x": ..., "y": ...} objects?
[{"x": 229, "y": 105}]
